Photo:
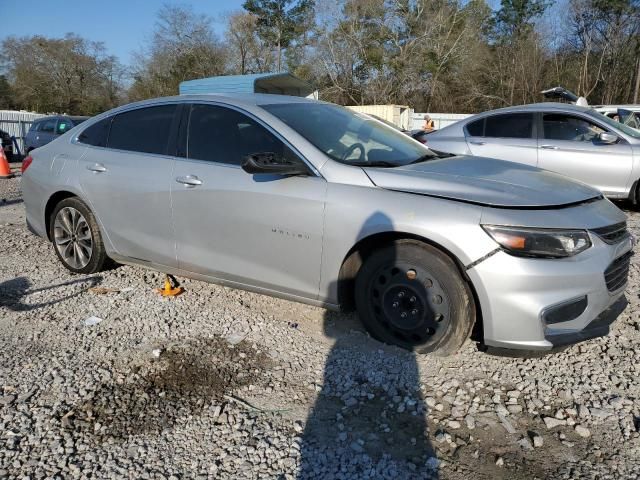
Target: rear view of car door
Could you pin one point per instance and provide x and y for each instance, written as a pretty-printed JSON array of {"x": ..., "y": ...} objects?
[
  {"x": 261, "y": 230},
  {"x": 505, "y": 136},
  {"x": 126, "y": 174},
  {"x": 570, "y": 144},
  {"x": 46, "y": 132}
]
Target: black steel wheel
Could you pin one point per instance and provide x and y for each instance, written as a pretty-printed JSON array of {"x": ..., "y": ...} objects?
[{"x": 412, "y": 295}]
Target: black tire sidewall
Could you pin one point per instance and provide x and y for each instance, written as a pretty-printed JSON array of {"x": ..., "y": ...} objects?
[
  {"x": 98, "y": 253},
  {"x": 462, "y": 306}
]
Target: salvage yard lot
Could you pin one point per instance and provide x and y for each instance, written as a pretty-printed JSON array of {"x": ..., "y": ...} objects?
[{"x": 220, "y": 383}]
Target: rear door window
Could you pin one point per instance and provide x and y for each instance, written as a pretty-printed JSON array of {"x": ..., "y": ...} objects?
[
  {"x": 48, "y": 126},
  {"x": 509, "y": 125},
  {"x": 97, "y": 134},
  {"x": 225, "y": 135},
  {"x": 63, "y": 126},
  {"x": 560, "y": 126},
  {"x": 144, "y": 130}
]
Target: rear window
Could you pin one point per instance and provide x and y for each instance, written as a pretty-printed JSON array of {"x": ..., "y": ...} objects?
[
  {"x": 144, "y": 130},
  {"x": 510, "y": 125},
  {"x": 97, "y": 134}
]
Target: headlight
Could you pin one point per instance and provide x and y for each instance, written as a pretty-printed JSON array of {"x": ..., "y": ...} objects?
[{"x": 539, "y": 242}]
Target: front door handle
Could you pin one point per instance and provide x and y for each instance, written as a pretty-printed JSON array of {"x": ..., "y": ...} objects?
[
  {"x": 549, "y": 147},
  {"x": 475, "y": 142},
  {"x": 189, "y": 180},
  {"x": 97, "y": 168}
]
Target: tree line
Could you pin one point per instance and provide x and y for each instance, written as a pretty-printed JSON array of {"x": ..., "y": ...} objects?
[{"x": 434, "y": 55}]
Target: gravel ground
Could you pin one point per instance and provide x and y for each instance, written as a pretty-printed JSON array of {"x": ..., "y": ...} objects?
[{"x": 220, "y": 383}]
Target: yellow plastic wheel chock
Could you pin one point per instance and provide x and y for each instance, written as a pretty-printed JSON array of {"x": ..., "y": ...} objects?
[{"x": 169, "y": 290}]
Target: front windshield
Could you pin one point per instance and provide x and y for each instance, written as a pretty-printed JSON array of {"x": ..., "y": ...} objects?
[
  {"x": 350, "y": 137},
  {"x": 632, "y": 132}
]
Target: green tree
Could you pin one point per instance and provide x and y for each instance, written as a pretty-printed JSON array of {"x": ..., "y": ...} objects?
[
  {"x": 281, "y": 23},
  {"x": 515, "y": 17},
  {"x": 6, "y": 95}
]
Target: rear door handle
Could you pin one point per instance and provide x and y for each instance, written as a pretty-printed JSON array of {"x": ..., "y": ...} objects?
[
  {"x": 475, "y": 142},
  {"x": 189, "y": 180},
  {"x": 549, "y": 147},
  {"x": 97, "y": 168}
]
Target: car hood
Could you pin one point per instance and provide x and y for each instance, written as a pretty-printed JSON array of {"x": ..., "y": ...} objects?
[{"x": 484, "y": 181}]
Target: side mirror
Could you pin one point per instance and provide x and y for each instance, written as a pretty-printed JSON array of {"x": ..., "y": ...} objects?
[
  {"x": 269, "y": 162},
  {"x": 606, "y": 137}
]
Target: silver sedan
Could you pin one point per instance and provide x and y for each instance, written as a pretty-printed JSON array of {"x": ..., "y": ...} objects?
[
  {"x": 576, "y": 141},
  {"x": 312, "y": 202}
]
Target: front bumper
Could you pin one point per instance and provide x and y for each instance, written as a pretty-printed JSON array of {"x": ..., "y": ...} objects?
[{"x": 516, "y": 293}]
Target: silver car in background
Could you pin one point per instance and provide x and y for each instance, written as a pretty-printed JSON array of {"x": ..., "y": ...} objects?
[
  {"x": 574, "y": 141},
  {"x": 312, "y": 202}
]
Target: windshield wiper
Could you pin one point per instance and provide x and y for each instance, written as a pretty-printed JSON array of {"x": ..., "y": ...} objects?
[{"x": 377, "y": 163}]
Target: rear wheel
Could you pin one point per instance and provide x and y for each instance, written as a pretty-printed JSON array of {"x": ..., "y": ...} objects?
[
  {"x": 412, "y": 295},
  {"x": 76, "y": 237}
]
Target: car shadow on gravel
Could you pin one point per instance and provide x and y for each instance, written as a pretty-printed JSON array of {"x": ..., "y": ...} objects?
[
  {"x": 6, "y": 202},
  {"x": 369, "y": 419},
  {"x": 14, "y": 292}
]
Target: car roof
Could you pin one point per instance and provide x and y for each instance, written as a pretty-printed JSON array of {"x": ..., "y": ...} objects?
[
  {"x": 240, "y": 99},
  {"x": 628, "y": 105},
  {"x": 57, "y": 117},
  {"x": 536, "y": 107}
]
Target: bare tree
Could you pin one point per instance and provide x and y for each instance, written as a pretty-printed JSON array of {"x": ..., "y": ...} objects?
[
  {"x": 183, "y": 47},
  {"x": 247, "y": 52},
  {"x": 69, "y": 74}
]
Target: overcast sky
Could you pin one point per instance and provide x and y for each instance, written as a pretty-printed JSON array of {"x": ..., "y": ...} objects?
[{"x": 123, "y": 25}]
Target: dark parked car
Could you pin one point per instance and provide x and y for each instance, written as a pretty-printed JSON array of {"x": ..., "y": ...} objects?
[
  {"x": 45, "y": 129},
  {"x": 7, "y": 145}
]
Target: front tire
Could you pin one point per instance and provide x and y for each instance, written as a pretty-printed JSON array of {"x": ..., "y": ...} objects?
[
  {"x": 412, "y": 295},
  {"x": 76, "y": 237}
]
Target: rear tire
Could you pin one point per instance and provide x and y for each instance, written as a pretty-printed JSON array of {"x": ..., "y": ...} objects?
[
  {"x": 412, "y": 295},
  {"x": 76, "y": 237}
]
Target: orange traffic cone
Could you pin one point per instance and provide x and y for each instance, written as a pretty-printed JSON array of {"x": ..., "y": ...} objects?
[
  {"x": 169, "y": 290},
  {"x": 5, "y": 170}
]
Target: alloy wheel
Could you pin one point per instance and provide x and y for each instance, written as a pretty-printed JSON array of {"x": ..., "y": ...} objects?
[{"x": 72, "y": 237}]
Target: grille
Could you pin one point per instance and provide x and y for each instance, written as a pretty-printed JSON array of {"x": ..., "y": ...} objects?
[
  {"x": 613, "y": 233},
  {"x": 615, "y": 276}
]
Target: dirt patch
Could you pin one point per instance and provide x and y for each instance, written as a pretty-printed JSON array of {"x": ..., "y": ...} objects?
[{"x": 156, "y": 392}]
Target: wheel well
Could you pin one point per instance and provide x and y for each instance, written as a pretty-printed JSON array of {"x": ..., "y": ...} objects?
[
  {"x": 51, "y": 204},
  {"x": 365, "y": 247},
  {"x": 634, "y": 193}
]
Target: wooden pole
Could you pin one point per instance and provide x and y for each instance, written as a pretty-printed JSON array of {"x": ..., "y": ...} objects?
[{"x": 635, "y": 93}]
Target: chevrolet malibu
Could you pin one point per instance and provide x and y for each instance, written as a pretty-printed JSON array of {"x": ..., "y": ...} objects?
[
  {"x": 312, "y": 202},
  {"x": 575, "y": 141}
]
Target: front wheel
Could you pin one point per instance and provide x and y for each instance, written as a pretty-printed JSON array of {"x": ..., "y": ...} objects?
[
  {"x": 412, "y": 295},
  {"x": 76, "y": 237}
]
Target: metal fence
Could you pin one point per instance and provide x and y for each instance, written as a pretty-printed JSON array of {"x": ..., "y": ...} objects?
[
  {"x": 17, "y": 124},
  {"x": 441, "y": 120}
]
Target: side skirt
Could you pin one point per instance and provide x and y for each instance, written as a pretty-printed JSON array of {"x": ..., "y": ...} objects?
[{"x": 224, "y": 282}]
